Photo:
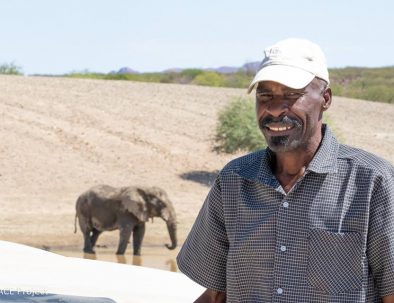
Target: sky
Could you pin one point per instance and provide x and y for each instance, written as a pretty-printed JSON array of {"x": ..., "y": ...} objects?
[{"x": 63, "y": 36}]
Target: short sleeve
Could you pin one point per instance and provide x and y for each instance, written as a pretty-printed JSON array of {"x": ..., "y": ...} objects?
[
  {"x": 380, "y": 250},
  {"x": 203, "y": 256}
]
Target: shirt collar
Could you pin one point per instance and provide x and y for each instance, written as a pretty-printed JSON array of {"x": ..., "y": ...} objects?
[
  {"x": 326, "y": 157},
  {"x": 324, "y": 161}
]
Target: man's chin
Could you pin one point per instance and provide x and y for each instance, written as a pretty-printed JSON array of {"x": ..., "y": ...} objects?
[{"x": 280, "y": 144}]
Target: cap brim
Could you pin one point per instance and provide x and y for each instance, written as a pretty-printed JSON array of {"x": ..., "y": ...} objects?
[{"x": 289, "y": 76}]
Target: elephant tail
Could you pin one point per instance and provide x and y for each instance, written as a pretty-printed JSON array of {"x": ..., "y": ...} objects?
[{"x": 77, "y": 206}]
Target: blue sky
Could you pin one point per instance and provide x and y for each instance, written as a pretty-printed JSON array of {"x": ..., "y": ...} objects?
[{"x": 55, "y": 37}]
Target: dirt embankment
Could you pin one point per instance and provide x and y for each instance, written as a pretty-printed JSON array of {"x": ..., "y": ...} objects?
[{"x": 61, "y": 136}]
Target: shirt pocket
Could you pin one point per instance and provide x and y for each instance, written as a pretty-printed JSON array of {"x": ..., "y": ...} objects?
[{"x": 334, "y": 261}]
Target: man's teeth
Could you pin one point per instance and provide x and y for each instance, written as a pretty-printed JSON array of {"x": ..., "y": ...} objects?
[{"x": 279, "y": 129}]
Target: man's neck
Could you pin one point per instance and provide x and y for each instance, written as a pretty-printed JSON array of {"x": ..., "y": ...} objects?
[{"x": 290, "y": 166}]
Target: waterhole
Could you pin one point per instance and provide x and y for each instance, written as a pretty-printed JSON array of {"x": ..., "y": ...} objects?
[{"x": 153, "y": 257}]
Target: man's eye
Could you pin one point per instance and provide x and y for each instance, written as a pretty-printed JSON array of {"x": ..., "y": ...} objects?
[
  {"x": 264, "y": 96},
  {"x": 293, "y": 95}
]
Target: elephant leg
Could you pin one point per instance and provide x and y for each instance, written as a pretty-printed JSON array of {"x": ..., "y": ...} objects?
[
  {"x": 125, "y": 233},
  {"x": 88, "y": 248},
  {"x": 95, "y": 234},
  {"x": 138, "y": 236},
  {"x": 85, "y": 229}
]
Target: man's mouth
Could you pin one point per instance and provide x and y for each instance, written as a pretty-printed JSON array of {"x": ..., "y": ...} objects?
[
  {"x": 282, "y": 126},
  {"x": 278, "y": 128}
]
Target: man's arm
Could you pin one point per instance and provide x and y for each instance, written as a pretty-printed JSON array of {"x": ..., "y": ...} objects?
[
  {"x": 203, "y": 256},
  {"x": 213, "y": 296},
  {"x": 387, "y": 299},
  {"x": 380, "y": 243}
]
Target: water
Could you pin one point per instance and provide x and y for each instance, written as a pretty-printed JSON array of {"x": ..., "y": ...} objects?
[{"x": 153, "y": 257}]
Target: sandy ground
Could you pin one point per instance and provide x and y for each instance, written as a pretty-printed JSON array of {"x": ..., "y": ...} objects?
[{"x": 61, "y": 136}]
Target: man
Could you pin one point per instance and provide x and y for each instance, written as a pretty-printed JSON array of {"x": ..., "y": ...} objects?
[{"x": 307, "y": 219}]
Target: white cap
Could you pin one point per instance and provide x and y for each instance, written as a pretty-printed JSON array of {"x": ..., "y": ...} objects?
[{"x": 293, "y": 63}]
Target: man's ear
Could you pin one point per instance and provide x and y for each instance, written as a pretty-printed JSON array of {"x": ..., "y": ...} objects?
[{"x": 327, "y": 95}]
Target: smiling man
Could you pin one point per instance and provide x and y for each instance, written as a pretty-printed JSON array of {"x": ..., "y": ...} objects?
[{"x": 305, "y": 220}]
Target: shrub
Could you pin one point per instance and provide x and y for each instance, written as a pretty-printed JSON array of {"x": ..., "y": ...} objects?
[
  {"x": 237, "y": 128},
  {"x": 376, "y": 84},
  {"x": 209, "y": 79},
  {"x": 190, "y": 73},
  {"x": 239, "y": 79},
  {"x": 10, "y": 69}
]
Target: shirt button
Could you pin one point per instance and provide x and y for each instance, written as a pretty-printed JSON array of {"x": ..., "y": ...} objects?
[
  {"x": 285, "y": 204},
  {"x": 283, "y": 248},
  {"x": 279, "y": 291}
]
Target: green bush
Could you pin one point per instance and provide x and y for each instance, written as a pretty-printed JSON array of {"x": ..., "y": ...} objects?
[
  {"x": 237, "y": 128},
  {"x": 376, "y": 84},
  {"x": 189, "y": 74},
  {"x": 209, "y": 79},
  {"x": 10, "y": 69},
  {"x": 238, "y": 79}
]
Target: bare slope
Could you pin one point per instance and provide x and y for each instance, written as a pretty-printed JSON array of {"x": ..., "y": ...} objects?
[{"x": 61, "y": 136}]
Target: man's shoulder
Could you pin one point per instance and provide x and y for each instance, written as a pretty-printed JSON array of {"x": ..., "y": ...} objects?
[
  {"x": 251, "y": 160},
  {"x": 365, "y": 160}
]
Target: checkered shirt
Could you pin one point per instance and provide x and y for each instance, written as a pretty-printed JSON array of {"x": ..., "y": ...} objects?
[{"x": 329, "y": 239}]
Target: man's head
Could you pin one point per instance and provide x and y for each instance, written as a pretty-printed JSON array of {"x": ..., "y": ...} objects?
[{"x": 291, "y": 94}]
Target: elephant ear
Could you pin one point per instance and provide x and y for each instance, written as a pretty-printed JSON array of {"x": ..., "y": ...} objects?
[{"x": 133, "y": 201}]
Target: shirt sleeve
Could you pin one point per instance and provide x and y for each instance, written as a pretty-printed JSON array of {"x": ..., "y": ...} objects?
[
  {"x": 203, "y": 256},
  {"x": 380, "y": 251}
]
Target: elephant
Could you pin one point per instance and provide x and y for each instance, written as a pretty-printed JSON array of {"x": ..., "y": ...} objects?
[{"x": 106, "y": 208}]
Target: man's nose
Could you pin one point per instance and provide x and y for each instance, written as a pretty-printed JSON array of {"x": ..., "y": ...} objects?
[{"x": 278, "y": 106}]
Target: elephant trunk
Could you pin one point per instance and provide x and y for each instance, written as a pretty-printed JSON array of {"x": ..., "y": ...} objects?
[{"x": 171, "y": 226}]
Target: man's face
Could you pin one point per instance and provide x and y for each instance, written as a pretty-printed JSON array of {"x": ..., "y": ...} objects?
[{"x": 290, "y": 119}]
